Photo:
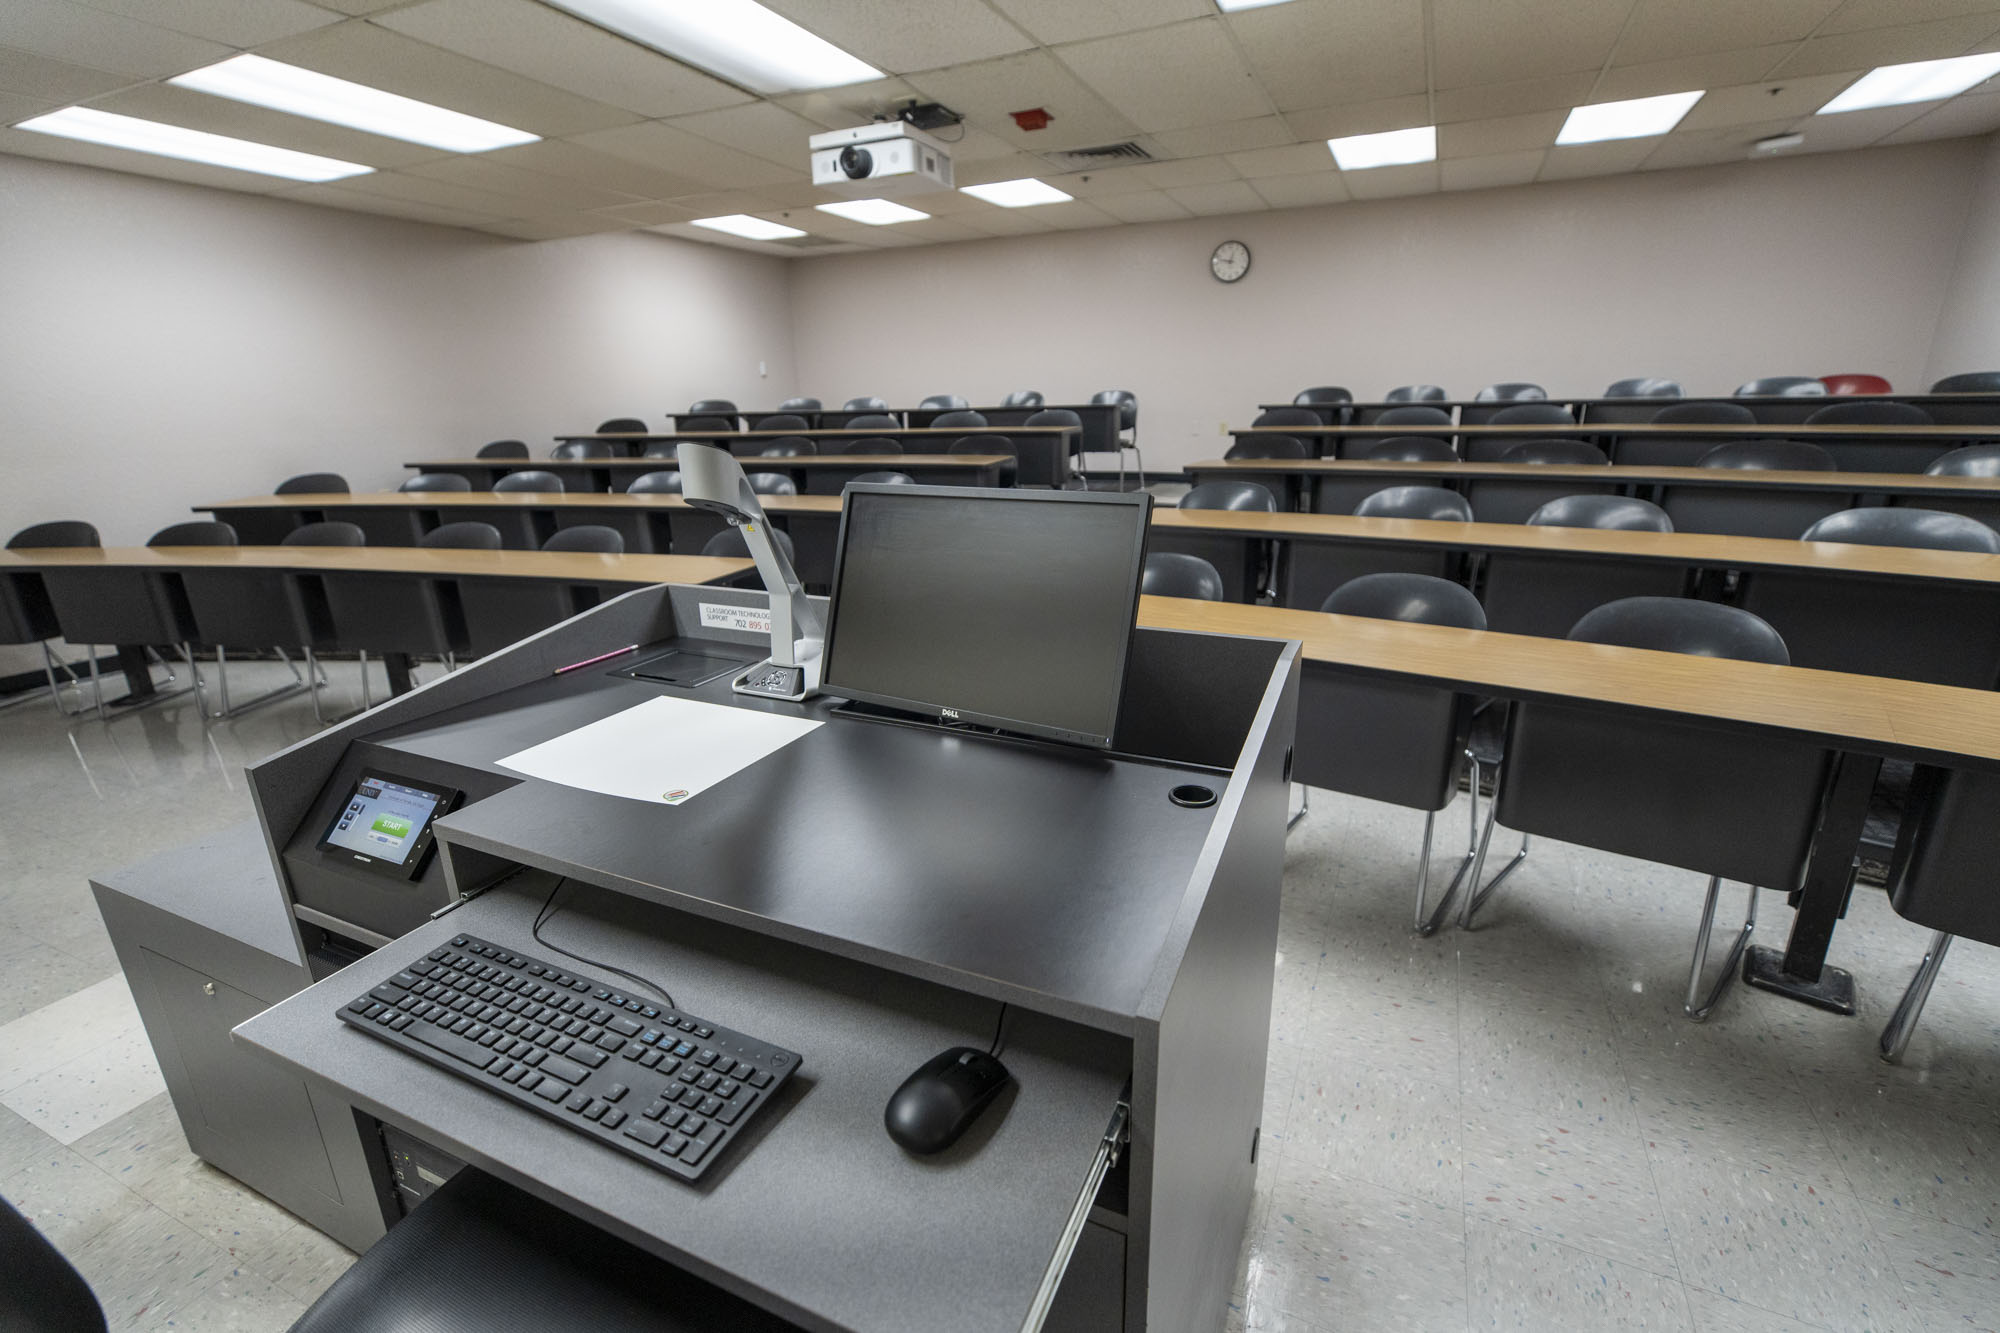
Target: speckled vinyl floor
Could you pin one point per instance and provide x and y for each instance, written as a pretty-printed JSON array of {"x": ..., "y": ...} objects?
[{"x": 1512, "y": 1128}]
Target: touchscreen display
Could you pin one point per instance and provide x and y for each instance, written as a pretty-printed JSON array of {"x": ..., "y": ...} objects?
[{"x": 384, "y": 820}]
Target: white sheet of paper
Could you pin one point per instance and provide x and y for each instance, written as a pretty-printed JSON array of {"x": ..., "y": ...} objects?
[{"x": 665, "y": 750}]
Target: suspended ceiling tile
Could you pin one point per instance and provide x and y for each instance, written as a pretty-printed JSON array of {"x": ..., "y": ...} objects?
[
  {"x": 358, "y": 201},
  {"x": 1697, "y": 148},
  {"x": 1598, "y": 159},
  {"x": 531, "y": 189},
  {"x": 1014, "y": 166},
  {"x": 28, "y": 75},
  {"x": 1758, "y": 102},
  {"x": 1315, "y": 52},
  {"x": 1856, "y": 15},
  {"x": 1189, "y": 171},
  {"x": 1392, "y": 182},
  {"x": 1302, "y": 191},
  {"x": 855, "y": 104},
  {"x": 1858, "y": 129},
  {"x": 544, "y": 44},
  {"x": 443, "y": 194},
  {"x": 48, "y": 147},
  {"x": 1514, "y": 98},
  {"x": 721, "y": 203},
  {"x": 1889, "y": 46},
  {"x": 932, "y": 231},
  {"x": 555, "y": 228},
  {"x": 651, "y": 214},
  {"x": 1074, "y": 216},
  {"x": 238, "y": 23},
  {"x": 1006, "y": 221},
  {"x": 359, "y": 7},
  {"x": 1485, "y": 41},
  {"x": 1664, "y": 29},
  {"x": 573, "y": 162},
  {"x": 1100, "y": 182},
  {"x": 1334, "y": 122},
  {"x": 985, "y": 93},
  {"x": 683, "y": 154},
  {"x": 1170, "y": 78},
  {"x": 1142, "y": 206},
  {"x": 80, "y": 35},
  {"x": 1220, "y": 198},
  {"x": 1508, "y": 134},
  {"x": 1488, "y": 173},
  {"x": 15, "y": 107},
  {"x": 365, "y": 53},
  {"x": 1960, "y": 116},
  {"x": 1233, "y": 136},
  {"x": 1055, "y": 21},
  {"x": 1686, "y": 73},
  {"x": 762, "y": 129},
  {"x": 899, "y": 38},
  {"x": 239, "y": 120},
  {"x": 1290, "y": 160},
  {"x": 974, "y": 145},
  {"x": 804, "y": 194}
]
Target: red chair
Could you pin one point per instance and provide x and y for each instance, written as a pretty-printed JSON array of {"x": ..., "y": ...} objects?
[{"x": 1846, "y": 384}]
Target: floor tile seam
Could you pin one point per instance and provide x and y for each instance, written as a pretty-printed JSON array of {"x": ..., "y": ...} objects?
[
  {"x": 1813, "y": 1108},
  {"x": 1694, "y": 1289},
  {"x": 1653, "y": 1270},
  {"x": 75, "y": 1243}
]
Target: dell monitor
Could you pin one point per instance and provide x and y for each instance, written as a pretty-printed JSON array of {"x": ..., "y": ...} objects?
[{"x": 1008, "y": 609}]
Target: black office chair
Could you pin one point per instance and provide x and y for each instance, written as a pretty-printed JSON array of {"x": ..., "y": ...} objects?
[
  {"x": 574, "y": 450},
  {"x": 333, "y": 532},
  {"x": 1238, "y": 495},
  {"x": 200, "y": 532},
  {"x": 959, "y": 419},
  {"x": 873, "y": 421},
  {"x": 40, "y": 1291},
  {"x": 1411, "y": 449},
  {"x": 1729, "y": 805},
  {"x": 1339, "y": 493},
  {"x": 1768, "y": 456},
  {"x": 1488, "y": 448},
  {"x": 1061, "y": 416},
  {"x": 1310, "y": 571},
  {"x": 531, "y": 479},
  {"x": 1433, "y": 503},
  {"x": 1573, "y": 453},
  {"x": 138, "y": 609},
  {"x": 27, "y": 615},
  {"x": 462, "y": 537},
  {"x": 436, "y": 481},
  {"x": 1127, "y": 429},
  {"x": 1974, "y": 460},
  {"x": 944, "y": 402},
  {"x": 1417, "y": 393},
  {"x": 1511, "y": 392},
  {"x": 1241, "y": 564},
  {"x": 867, "y": 404},
  {"x": 1665, "y": 450},
  {"x": 1931, "y": 529},
  {"x": 1394, "y": 741},
  {"x": 661, "y": 449},
  {"x": 622, "y": 426},
  {"x": 880, "y": 479},
  {"x": 1782, "y": 386},
  {"x": 1883, "y": 453},
  {"x": 1977, "y": 381},
  {"x": 503, "y": 449},
  {"x": 363, "y": 612},
  {"x": 1758, "y": 511},
  {"x": 590, "y": 538},
  {"x": 1617, "y": 513},
  {"x": 1267, "y": 446},
  {"x": 1289, "y": 416},
  {"x": 799, "y": 405},
  {"x": 1173, "y": 574},
  {"x": 1414, "y": 417},
  {"x": 1710, "y": 412},
  {"x": 667, "y": 481},
  {"x": 719, "y": 407},
  {"x": 789, "y": 446},
  {"x": 705, "y": 423},
  {"x": 1643, "y": 388},
  {"x": 313, "y": 483},
  {"x": 1322, "y": 393},
  {"x": 1019, "y": 398},
  {"x": 1528, "y": 592},
  {"x": 877, "y": 444},
  {"x": 987, "y": 444},
  {"x": 772, "y": 483}
]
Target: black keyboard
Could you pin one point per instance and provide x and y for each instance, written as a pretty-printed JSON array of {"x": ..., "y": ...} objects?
[{"x": 661, "y": 1085}]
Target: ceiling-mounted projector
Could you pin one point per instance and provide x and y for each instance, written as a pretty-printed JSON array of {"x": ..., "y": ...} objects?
[{"x": 880, "y": 161}]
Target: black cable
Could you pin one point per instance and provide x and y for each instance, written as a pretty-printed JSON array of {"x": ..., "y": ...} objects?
[
  {"x": 548, "y": 912},
  {"x": 999, "y": 1031}
]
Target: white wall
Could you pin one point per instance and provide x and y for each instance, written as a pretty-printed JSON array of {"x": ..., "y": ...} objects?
[
  {"x": 1968, "y": 332},
  {"x": 1710, "y": 276}
]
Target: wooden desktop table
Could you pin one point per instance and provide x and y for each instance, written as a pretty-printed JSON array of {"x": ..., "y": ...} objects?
[
  {"x": 815, "y": 474},
  {"x": 1770, "y": 409}
]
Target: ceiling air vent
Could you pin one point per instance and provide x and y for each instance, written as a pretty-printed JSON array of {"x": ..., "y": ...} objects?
[{"x": 1105, "y": 155}]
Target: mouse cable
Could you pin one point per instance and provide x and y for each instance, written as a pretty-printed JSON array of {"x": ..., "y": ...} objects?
[
  {"x": 999, "y": 1032},
  {"x": 548, "y": 912}
]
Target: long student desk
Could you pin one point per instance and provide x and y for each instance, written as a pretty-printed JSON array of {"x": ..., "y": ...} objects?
[
  {"x": 819, "y": 475},
  {"x": 1101, "y": 421},
  {"x": 1770, "y": 409},
  {"x": 1044, "y": 451}
]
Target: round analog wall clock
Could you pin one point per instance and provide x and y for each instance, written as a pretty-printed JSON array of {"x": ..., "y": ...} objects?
[{"x": 1230, "y": 261}]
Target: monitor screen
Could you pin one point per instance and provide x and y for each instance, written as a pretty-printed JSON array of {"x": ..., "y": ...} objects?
[
  {"x": 385, "y": 823},
  {"x": 1004, "y": 608}
]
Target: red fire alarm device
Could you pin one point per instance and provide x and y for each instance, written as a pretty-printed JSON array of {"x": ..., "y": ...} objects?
[{"x": 1032, "y": 119}]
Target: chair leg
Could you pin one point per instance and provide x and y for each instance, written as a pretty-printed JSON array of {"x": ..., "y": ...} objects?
[
  {"x": 367, "y": 699},
  {"x": 1903, "y": 1022},
  {"x": 1699, "y": 1006},
  {"x": 1427, "y": 923},
  {"x": 1305, "y": 800},
  {"x": 299, "y": 682},
  {"x": 1477, "y": 897}
]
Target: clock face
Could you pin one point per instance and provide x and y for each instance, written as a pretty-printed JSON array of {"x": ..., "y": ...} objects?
[{"x": 1230, "y": 261}]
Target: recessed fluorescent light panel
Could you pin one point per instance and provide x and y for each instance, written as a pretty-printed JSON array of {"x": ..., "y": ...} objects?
[
  {"x": 749, "y": 228},
  {"x": 1025, "y": 193},
  {"x": 738, "y": 39},
  {"x": 261, "y": 82},
  {"x": 874, "y": 212},
  {"x": 1633, "y": 119},
  {"x": 1923, "y": 81},
  {"x": 219, "y": 150},
  {"x": 1231, "y": 6},
  {"x": 1395, "y": 148}
]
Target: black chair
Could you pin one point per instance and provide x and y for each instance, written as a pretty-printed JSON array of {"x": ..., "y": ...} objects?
[
  {"x": 1061, "y": 416},
  {"x": 1977, "y": 381},
  {"x": 313, "y": 483},
  {"x": 661, "y": 449},
  {"x": 531, "y": 479},
  {"x": 462, "y": 537},
  {"x": 800, "y": 404},
  {"x": 1432, "y": 503},
  {"x": 137, "y": 609},
  {"x": 1018, "y": 398},
  {"x": 1526, "y": 592},
  {"x": 1172, "y": 574},
  {"x": 361, "y": 611},
  {"x": 1709, "y": 412},
  {"x": 26, "y": 615},
  {"x": 875, "y": 444},
  {"x": 1289, "y": 416},
  {"x": 1883, "y": 453},
  {"x": 1322, "y": 393},
  {"x": 869, "y": 404},
  {"x": 789, "y": 446},
  {"x": 1668, "y": 450},
  {"x": 1617, "y": 513},
  {"x": 330, "y": 533},
  {"x": 1782, "y": 386},
  {"x": 574, "y": 450},
  {"x": 731, "y": 544},
  {"x": 1930, "y": 529},
  {"x": 959, "y": 419},
  {"x": 1571, "y": 453},
  {"x": 40, "y": 1291},
  {"x": 719, "y": 407},
  {"x": 1417, "y": 393},
  {"x": 1267, "y": 446},
  {"x": 1240, "y": 563},
  {"x": 1414, "y": 417},
  {"x": 200, "y": 532},
  {"x": 590, "y": 538},
  {"x": 1394, "y": 741},
  {"x": 1730, "y": 805},
  {"x": 1974, "y": 460},
  {"x": 984, "y": 444},
  {"x": 1127, "y": 403},
  {"x": 1489, "y": 448},
  {"x": 436, "y": 481},
  {"x": 1237, "y": 495},
  {"x": 880, "y": 479},
  {"x": 503, "y": 449},
  {"x": 1512, "y": 499},
  {"x": 1643, "y": 388},
  {"x": 945, "y": 402},
  {"x": 780, "y": 421},
  {"x": 1339, "y": 493},
  {"x": 622, "y": 426},
  {"x": 772, "y": 483},
  {"x": 1754, "y": 511},
  {"x": 251, "y": 610},
  {"x": 1411, "y": 449},
  {"x": 667, "y": 481},
  {"x": 873, "y": 421},
  {"x": 1310, "y": 571},
  {"x": 1768, "y": 456},
  {"x": 705, "y": 423},
  {"x": 1511, "y": 392}
]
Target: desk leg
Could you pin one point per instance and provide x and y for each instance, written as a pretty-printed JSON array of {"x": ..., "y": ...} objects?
[
  {"x": 138, "y": 674},
  {"x": 397, "y": 665},
  {"x": 1801, "y": 972}
]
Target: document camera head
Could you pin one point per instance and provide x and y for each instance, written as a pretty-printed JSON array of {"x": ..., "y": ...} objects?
[{"x": 712, "y": 479}]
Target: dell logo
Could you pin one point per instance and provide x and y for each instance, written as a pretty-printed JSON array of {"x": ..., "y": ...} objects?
[{"x": 948, "y": 714}]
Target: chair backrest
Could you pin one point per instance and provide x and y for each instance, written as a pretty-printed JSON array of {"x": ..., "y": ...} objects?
[
  {"x": 1932, "y": 529},
  {"x": 873, "y": 421},
  {"x": 1620, "y": 513},
  {"x": 503, "y": 449},
  {"x": 707, "y": 423},
  {"x": 1417, "y": 414},
  {"x": 779, "y": 421},
  {"x": 594, "y": 538},
  {"x": 1173, "y": 574},
  {"x": 881, "y": 479},
  {"x": 718, "y": 407},
  {"x": 1870, "y": 414},
  {"x": 867, "y": 404},
  {"x": 1782, "y": 386},
  {"x": 772, "y": 483},
  {"x": 790, "y": 446},
  {"x": 1020, "y": 398},
  {"x": 1230, "y": 495},
  {"x": 1846, "y": 384},
  {"x": 942, "y": 402},
  {"x": 1267, "y": 446},
  {"x": 667, "y": 481},
  {"x": 1555, "y": 451},
  {"x": 1128, "y": 405},
  {"x": 570, "y": 450},
  {"x": 661, "y": 449},
  {"x": 959, "y": 418},
  {"x": 56, "y": 532},
  {"x": 1708, "y": 413},
  {"x": 1532, "y": 414},
  {"x": 976, "y": 444},
  {"x": 1422, "y": 599},
  {"x": 436, "y": 481},
  {"x": 882, "y": 444},
  {"x": 1768, "y": 456},
  {"x": 731, "y": 542},
  {"x": 1055, "y": 416},
  {"x": 533, "y": 479},
  {"x": 1323, "y": 393},
  {"x": 462, "y": 537},
  {"x": 1513, "y": 391},
  {"x": 313, "y": 483},
  {"x": 1974, "y": 460},
  {"x": 1417, "y": 393},
  {"x": 622, "y": 426},
  {"x": 1972, "y": 381},
  {"x": 1643, "y": 388},
  {"x": 1683, "y": 625},
  {"x": 800, "y": 404},
  {"x": 1428, "y": 502},
  {"x": 332, "y": 532},
  {"x": 41, "y": 1292},
  {"x": 1412, "y": 449},
  {"x": 197, "y": 533},
  {"x": 1289, "y": 416}
]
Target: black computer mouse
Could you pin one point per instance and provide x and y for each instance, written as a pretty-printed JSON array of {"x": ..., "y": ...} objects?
[{"x": 936, "y": 1104}]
